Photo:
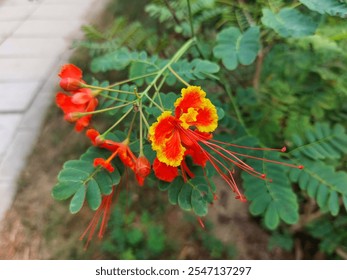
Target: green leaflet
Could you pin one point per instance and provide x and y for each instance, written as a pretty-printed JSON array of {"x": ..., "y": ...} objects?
[
  {"x": 331, "y": 7},
  {"x": 141, "y": 64},
  {"x": 289, "y": 23},
  {"x": 80, "y": 180},
  {"x": 322, "y": 183},
  {"x": 322, "y": 142},
  {"x": 114, "y": 99},
  {"x": 274, "y": 200},
  {"x": 78, "y": 200},
  {"x": 196, "y": 194},
  {"x": 233, "y": 47}
]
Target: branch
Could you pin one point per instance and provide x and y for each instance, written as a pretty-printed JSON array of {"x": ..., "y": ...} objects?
[
  {"x": 258, "y": 67},
  {"x": 172, "y": 11}
]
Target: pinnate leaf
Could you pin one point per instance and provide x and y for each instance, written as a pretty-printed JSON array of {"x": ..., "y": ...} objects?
[
  {"x": 273, "y": 198},
  {"x": 322, "y": 183},
  {"x": 322, "y": 142},
  {"x": 289, "y": 23},
  {"x": 80, "y": 180},
  {"x": 331, "y": 7}
]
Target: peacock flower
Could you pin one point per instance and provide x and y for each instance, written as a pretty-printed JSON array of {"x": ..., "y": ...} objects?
[
  {"x": 77, "y": 106},
  {"x": 140, "y": 166},
  {"x": 71, "y": 77},
  {"x": 168, "y": 135},
  {"x": 142, "y": 169},
  {"x": 189, "y": 133}
]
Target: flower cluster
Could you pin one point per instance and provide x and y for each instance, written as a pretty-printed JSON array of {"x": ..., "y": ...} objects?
[
  {"x": 140, "y": 166},
  {"x": 184, "y": 133},
  {"x": 79, "y": 101},
  {"x": 188, "y": 133}
]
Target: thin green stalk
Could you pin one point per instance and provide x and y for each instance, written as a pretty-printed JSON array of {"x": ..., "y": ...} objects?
[
  {"x": 141, "y": 132},
  {"x": 190, "y": 19},
  {"x": 82, "y": 114},
  {"x": 233, "y": 103},
  {"x": 144, "y": 118},
  {"x": 132, "y": 79},
  {"x": 174, "y": 59},
  {"x": 178, "y": 77},
  {"x": 192, "y": 27},
  {"x": 157, "y": 91},
  {"x": 117, "y": 122},
  {"x": 108, "y": 89},
  {"x": 131, "y": 125},
  {"x": 113, "y": 98}
]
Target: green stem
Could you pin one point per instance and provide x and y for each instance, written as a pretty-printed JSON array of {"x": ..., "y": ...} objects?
[
  {"x": 82, "y": 114},
  {"x": 113, "y": 98},
  {"x": 190, "y": 19},
  {"x": 233, "y": 103},
  {"x": 108, "y": 89},
  {"x": 131, "y": 125},
  {"x": 141, "y": 132},
  {"x": 117, "y": 122},
  {"x": 192, "y": 28},
  {"x": 132, "y": 79},
  {"x": 144, "y": 118},
  {"x": 178, "y": 77},
  {"x": 174, "y": 59}
]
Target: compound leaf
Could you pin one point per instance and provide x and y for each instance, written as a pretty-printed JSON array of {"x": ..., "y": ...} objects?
[
  {"x": 233, "y": 47},
  {"x": 289, "y": 22},
  {"x": 331, "y": 7}
]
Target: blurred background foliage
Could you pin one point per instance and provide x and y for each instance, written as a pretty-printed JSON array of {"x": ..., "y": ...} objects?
[{"x": 278, "y": 69}]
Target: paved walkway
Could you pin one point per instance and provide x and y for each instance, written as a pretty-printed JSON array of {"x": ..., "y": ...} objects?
[{"x": 35, "y": 37}]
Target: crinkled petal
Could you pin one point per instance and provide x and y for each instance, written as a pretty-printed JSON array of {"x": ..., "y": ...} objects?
[
  {"x": 164, "y": 172},
  {"x": 161, "y": 130},
  {"x": 70, "y": 71},
  {"x": 198, "y": 155},
  {"x": 207, "y": 118},
  {"x": 172, "y": 152},
  {"x": 189, "y": 118},
  {"x": 82, "y": 96},
  {"x": 65, "y": 103},
  {"x": 192, "y": 97}
]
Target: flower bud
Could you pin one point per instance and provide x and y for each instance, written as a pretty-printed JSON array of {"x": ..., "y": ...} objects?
[
  {"x": 142, "y": 169},
  {"x": 70, "y": 84}
]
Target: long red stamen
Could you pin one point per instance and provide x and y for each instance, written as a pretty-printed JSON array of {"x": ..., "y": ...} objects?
[{"x": 283, "y": 149}]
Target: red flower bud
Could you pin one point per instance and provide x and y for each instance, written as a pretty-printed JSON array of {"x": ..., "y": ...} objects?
[
  {"x": 70, "y": 84},
  {"x": 142, "y": 169}
]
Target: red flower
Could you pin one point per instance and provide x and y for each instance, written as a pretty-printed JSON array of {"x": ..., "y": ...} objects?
[
  {"x": 142, "y": 169},
  {"x": 163, "y": 171},
  {"x": 140, "y": 166},
  {"x": 76, "y": 106},
  {"x": 173, "y": 140},
  {"x": 71, "y": 77}
]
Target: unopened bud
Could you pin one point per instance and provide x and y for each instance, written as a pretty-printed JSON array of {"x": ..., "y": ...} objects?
[
  {"x": 70, "y": 84},
  {"x": 142, "y": 169}
]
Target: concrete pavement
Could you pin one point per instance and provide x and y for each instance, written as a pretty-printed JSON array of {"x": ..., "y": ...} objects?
[{"x": 35, "y": 40}]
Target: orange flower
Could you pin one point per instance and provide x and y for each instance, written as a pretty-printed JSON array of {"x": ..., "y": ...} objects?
[
  {"x": 81, "y": 101},
  {"x": 173, "y": 140},
  {"x": 142, "y": 169},
  {"x": 140, "y": 166},
  {"x": 71, "y": 77},
  {"x": 168, "y": 134}
]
